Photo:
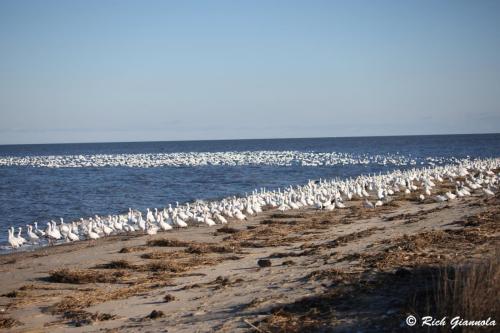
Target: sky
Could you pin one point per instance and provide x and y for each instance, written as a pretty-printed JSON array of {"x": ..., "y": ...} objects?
[{"x": 98, "y": 71}]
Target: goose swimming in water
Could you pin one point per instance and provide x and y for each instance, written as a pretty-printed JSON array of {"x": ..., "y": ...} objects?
[
  {"x": 72, "y": 236},
  {"x": 106, "y": 230},
  {"x": 239, "y": 215},
  {"x": 151, "y": 229},
  {"x": 55, "y": 230}
]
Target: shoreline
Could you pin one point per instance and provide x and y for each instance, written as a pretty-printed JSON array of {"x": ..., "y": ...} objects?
[
  {"x": 209, "y": 278},
  {"x": 273, "y": 199}
]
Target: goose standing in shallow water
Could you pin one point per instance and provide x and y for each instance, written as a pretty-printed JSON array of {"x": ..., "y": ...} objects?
[
  {"x": 31, "y": 235},
  {"x": 39, "y": 232},
  {"x": 71, "y": 235},
  {"x": 51, "y": 234},
  {"x": 20, "y": 238},
  {"x": 12, "y": 239},
  {"x": 55, "y": 230},
  {"x": 163, "y": 225}
]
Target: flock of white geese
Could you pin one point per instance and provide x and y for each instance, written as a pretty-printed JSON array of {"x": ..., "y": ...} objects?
[
  {"x": 227, "y": 158},
  {"x": 470, "y": 177}
]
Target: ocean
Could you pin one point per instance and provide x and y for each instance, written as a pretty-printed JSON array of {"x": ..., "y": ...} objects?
[{"x": 44, "y": 182}]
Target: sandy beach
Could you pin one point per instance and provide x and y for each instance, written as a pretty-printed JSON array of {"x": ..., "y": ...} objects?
[{"x": 280, "y": 271}]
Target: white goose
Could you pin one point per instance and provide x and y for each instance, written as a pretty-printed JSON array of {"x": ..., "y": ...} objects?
[
  {"x": 151, "y": 229},
  {"x": 180, "y": 222},
  {"x": 163, "y": 225},
  {"x": 208, "y": 221},
  {"x": 20, "y": 238},
  {"x": 51, "y": 234},
  {"x": 488, "y": 192},
  {"x": 39, "y": 232},
  {"x": 239, "y": 215},
  {"x": 13, "y": 241},
  {"x": 72, "y": 236},
  {"x": 55, "y": 230},
  {"x": 91, "y": 234},
  {"x": 31, "y": 235}
]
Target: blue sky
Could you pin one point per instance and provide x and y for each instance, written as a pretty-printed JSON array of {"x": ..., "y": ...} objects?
[{"x": 92, "y": 71}]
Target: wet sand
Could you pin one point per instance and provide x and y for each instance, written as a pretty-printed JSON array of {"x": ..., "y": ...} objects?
[{"x": 280, "y": 271}]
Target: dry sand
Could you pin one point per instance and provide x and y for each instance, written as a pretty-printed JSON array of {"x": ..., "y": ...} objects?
[{"x": 347, "y": 269}]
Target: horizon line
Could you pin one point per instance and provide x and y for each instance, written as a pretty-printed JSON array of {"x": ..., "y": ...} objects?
[{"x": 247, "y": 139}]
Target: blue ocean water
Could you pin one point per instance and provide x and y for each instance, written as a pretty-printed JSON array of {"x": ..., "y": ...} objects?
[{"x": 30, "y": 194}]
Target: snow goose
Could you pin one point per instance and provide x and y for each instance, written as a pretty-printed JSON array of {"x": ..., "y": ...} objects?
[
  {"x": 90, "y": 233},
  {"x": 163, "y": 225},
  {"x": 488, "y": 192},
  {"x": 220, "y": 218},
  {"x": 39, "y": 232},
  {"x": 31, "y": 235},
  {"x": 72, "y": 236},
  {"x": 208, "y": 221},
  {"x": 12, "y": 239},
  {"x": 20, "y": 238}
]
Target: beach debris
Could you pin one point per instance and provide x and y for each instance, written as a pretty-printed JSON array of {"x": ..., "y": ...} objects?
[
  {"x": 156, "y": 314},
  {"x": 81, "y": 276},
  {"x": 169, "y": 298},
  {"x": 264, "y": 263},
  {"x": 227, "y": 230},
  {"x": 82, "y": 317},
  {"x": 9, "y": 322}
]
